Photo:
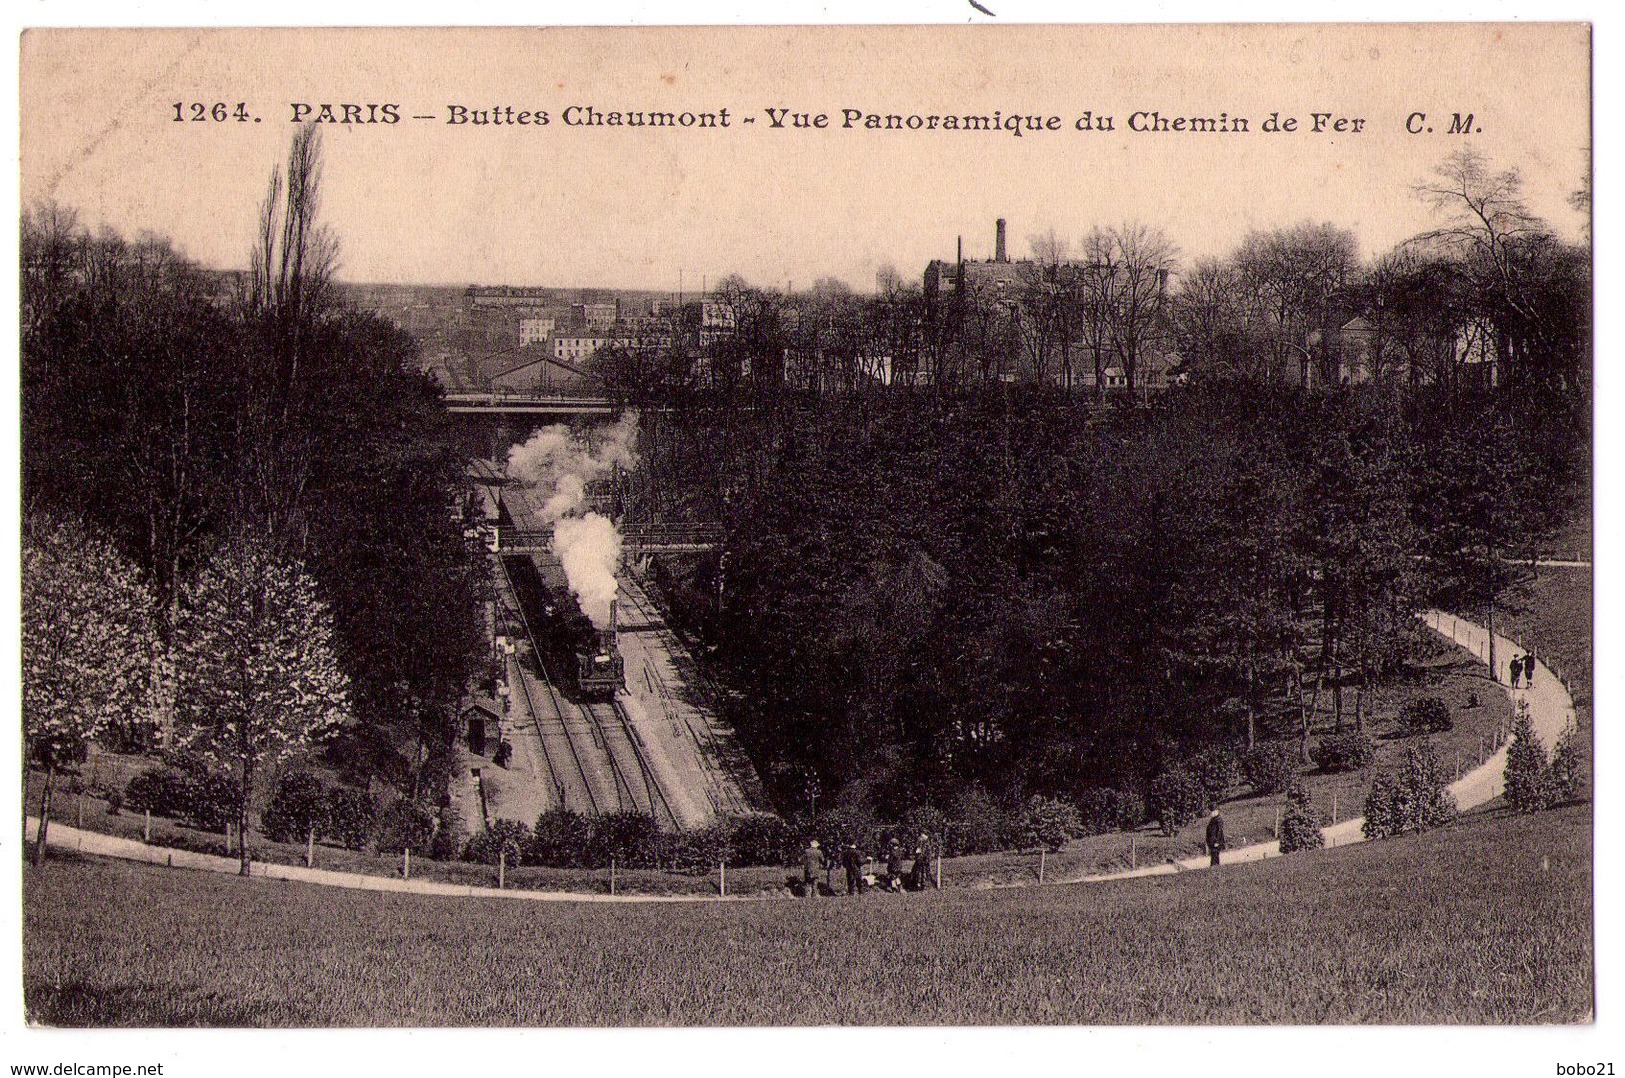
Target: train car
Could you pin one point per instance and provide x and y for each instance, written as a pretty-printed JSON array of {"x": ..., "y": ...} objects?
[{"x": 582, "y": 660}]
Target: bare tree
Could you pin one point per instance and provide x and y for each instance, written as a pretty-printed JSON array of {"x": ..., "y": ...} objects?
[
  {"x": 1137, "y": 288},
  {"x": 1292, "y": 275},
  {"x": 1525, "y": 280}
]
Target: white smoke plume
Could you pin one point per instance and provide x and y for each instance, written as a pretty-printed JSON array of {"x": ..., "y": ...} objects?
[
  {"x": 589, "y": 548},
  {"x": 558, "y": 466}
]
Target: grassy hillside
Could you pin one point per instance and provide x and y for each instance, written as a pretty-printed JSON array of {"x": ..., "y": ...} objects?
[{"x": 1488, "y": 920}]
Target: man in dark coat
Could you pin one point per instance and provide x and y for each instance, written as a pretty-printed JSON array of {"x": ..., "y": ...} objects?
[
  {"x": 1528, "y": 671},
  {"x": 812, "y": 863},
  {"x": 1215, "y": 836},
  {"x": 1516, "y": 669},
  {"x": 852, "y": 861}
]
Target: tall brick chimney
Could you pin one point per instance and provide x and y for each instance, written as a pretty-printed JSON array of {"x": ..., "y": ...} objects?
[{"x": 998, "y": 244}]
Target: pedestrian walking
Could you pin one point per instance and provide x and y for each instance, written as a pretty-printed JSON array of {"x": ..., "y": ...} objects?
[
  {"x": 812, "y": 863},
  {"x": 852, "y": 861},
  {"x": 894, "y": 865},
  {"x": 1529, "y": 671},
  {"x": 1516, "y": 669},
  {"x": 1215, "y": 836}
]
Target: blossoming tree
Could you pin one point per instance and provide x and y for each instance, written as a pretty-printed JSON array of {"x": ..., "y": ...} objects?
[
  {"x": 257, "y": 678},
  {"x": 87, "y": 646}
]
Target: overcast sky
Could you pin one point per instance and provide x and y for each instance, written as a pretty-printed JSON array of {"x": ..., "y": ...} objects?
[{"x": 428, "y": 201}]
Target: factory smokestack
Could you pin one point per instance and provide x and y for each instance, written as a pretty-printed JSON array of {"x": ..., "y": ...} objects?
[{"x": 998, "y": 243}]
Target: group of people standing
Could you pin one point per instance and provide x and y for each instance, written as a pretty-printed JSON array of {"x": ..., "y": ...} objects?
[
  {"x": 918, "y": 877},
  {"x": 1523, "y": 667}
]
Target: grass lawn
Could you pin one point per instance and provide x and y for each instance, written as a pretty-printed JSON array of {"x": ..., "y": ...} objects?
[{"x": 1487, "y": 920}]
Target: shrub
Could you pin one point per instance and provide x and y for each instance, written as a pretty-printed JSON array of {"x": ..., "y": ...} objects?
[
  {"x": 1413, "y": 799},
  {"x": 1345, "y": 752},
  {"x": 976, "y": 824},
  {"x": 448, "y": 835},
  {"x": 698, "y": 852},
  {"x": 1175, "y": 799},
  {"x": 921, "y": 819},
  {"x": 214, "y": 802},
  {"x": 1102, "y": 810},
  {"x": 629, "y": 838},
  {"x": 1300, "y": 824},
  {"x": 1216, "y": 770},
  {"x": 760, "y": 839},
  {"x": 1271, "y": 766},
  {"x": 561, "y": 839},
  {"x": 511, "y": 837},
  {"x": 843, "y": 824},
  {"x": 1568, "y": 766},
  {"x": 162, "y": 791},
  {"x": 1047, "y": 821},
  {"x": 298, "y": 805},
  {"x": 115, "y": 801},
  {"x": 351, "y": 815},
  {"x": 404, "y": 825},
  {"x": 1425, "y": 715},
  {"x": 1527, "y": 775}
]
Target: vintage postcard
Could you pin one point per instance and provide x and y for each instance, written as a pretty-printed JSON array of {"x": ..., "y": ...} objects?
[{"x": 808, "y": 526}]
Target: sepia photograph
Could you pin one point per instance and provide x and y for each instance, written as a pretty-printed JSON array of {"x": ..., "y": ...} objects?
[{"x": 806, "y": 526}]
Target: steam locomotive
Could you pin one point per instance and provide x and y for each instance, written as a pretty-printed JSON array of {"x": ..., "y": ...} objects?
[{"x": 581, "y": 659}]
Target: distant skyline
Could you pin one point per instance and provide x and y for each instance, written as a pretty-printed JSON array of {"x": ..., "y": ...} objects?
[{"x": 428, "y": 202}]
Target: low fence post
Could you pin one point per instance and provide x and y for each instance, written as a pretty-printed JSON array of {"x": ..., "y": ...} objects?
[
  {"x": 310, "y": 848},
  {"x": 722, "y": 879},
  {"x": 146, "y": 827},
  {"x": 406, "y": 863},
  {"x": 1042, "y": 853},
  {"x": 1133, "y": 851},
  {"x": 1334, "y": 808},
  {"x": 612, "y": 875},
  {"x": 502, "y": 869}
]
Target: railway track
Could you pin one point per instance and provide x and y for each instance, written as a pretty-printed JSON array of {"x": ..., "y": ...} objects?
[
  {"x": 559, "y": 776},
  {"x": 632, "y": 783},
  {"x": 723, "y": 798}
]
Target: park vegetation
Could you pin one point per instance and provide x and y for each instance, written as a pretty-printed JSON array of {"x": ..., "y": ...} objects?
[
  {"x": 955, "y": 560},
  {"x": 252, "y": 478}
]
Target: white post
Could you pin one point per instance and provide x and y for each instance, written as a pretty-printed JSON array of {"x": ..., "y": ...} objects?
[
  {"x": 146, "y": 827},
  {"x": 1334, "y": 806},
  {"x": 939, "y": 872},
  {"x": 310, "y": 848},
  {"x": 1041, "y": 855},
  {"x": 502, "y": 868},
  {"x": 406, "y": 863},
  {"x": 1133, "y": 851},
  {"x": 1277, "y": 831},
  {"x": 722, "y": 879}
]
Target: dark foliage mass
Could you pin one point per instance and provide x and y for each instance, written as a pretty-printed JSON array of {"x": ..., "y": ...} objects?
[
  {"x": 177, "y": 410},
  {"x": 1011, "y": 588}
]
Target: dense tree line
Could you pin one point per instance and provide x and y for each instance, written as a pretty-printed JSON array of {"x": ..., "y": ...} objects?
[
  {"x": 985, "y": 572},
  {"x": 183, "y": 412},
  {"x": 1007, "y": 588}
]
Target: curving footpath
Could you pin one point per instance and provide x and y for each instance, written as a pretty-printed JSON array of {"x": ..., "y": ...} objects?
[{"x": 1551, "y": 709}]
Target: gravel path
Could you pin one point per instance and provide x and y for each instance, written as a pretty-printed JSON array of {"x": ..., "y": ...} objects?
[{"x": 1551, "y": 709}]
